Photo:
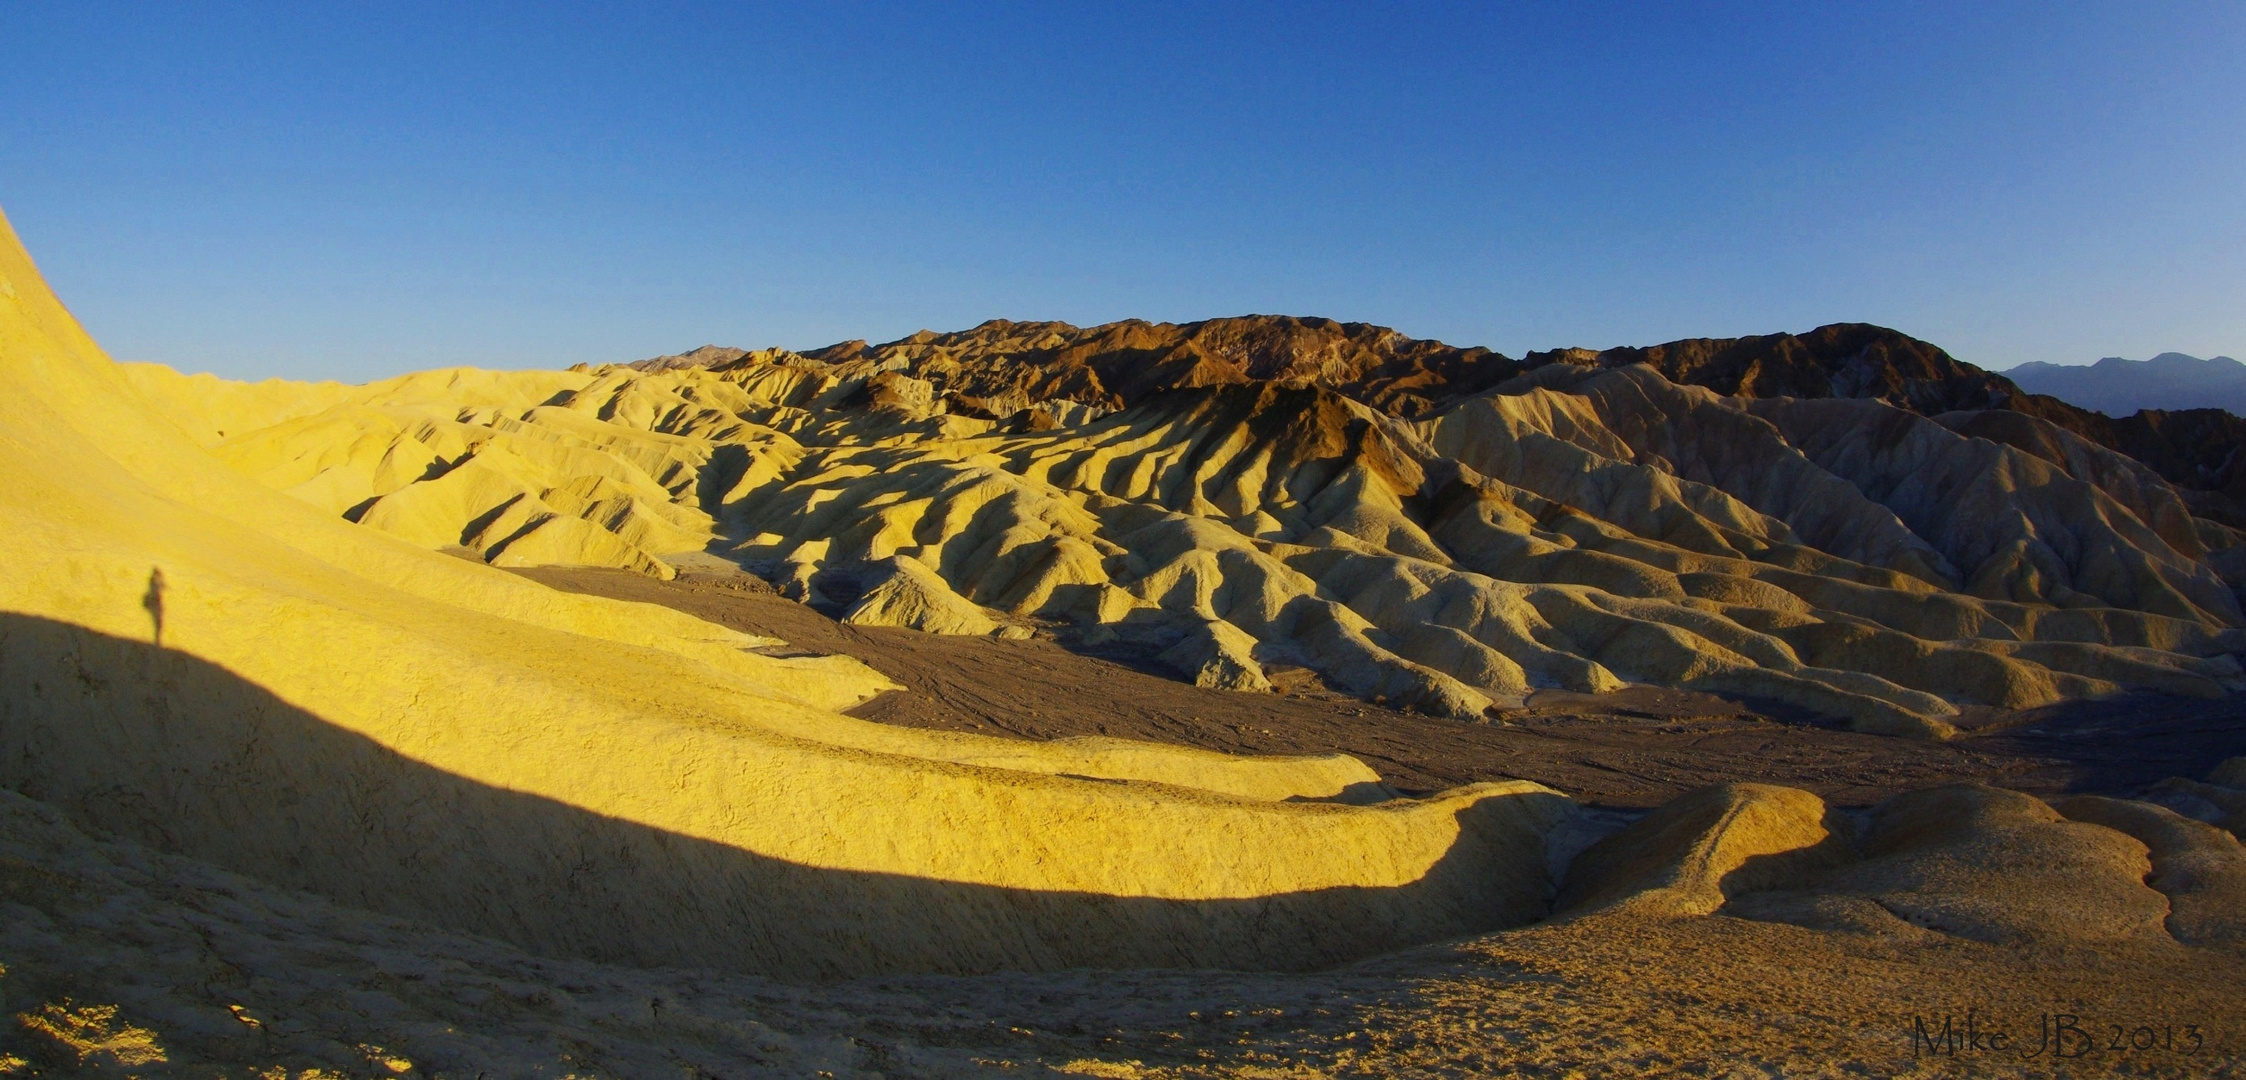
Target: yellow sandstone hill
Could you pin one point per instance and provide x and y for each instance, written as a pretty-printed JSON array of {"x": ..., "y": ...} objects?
[
  {"x": 192, "y": 657},
  {"x": 1575, "y": 526}
]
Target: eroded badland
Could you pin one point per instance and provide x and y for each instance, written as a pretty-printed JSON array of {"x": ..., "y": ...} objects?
[{"x": 1260, "y": 697}]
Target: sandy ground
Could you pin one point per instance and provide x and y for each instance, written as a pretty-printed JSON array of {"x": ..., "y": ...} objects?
[
  {"x": 119, "y": 960},
  {"x": 122, "y": 961},
  {"x": 1634, "y": 749}
]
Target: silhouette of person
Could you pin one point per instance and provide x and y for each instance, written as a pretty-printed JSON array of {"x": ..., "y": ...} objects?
[{"x": 153, "y": 600}]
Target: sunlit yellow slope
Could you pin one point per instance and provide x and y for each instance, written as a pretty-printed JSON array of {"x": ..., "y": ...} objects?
[{"x": 195, "y": 659}]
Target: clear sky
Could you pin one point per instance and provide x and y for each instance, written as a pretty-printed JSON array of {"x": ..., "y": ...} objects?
[{"x": 337, "y": 190}]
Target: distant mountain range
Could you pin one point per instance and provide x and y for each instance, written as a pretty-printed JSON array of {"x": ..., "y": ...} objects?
[{"x": 2118, "y": 387}]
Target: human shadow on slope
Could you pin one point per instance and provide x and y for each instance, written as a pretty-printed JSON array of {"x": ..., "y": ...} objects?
[
  {"x": 171, "y": 750},
  {"x": 153, "y": 602}
]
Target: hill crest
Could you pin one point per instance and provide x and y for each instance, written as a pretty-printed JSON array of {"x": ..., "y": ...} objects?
[{"x": 1002, "y": 367}]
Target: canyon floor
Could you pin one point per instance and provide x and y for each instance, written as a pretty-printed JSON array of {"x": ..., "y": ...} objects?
[{"x": 1632, "y": 749}]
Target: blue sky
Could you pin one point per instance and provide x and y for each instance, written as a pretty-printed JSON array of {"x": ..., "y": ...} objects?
[{"x": 351, "y": 191}]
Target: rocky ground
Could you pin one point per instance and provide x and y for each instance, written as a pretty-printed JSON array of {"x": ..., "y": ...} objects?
[{"x": 123, "y": 961}]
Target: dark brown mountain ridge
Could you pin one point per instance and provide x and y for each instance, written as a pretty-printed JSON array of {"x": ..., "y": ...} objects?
[{"x": 1001, "y": 366}]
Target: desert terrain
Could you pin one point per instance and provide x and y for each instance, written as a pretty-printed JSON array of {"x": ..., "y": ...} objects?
[{"x": 1263, "y": 697}]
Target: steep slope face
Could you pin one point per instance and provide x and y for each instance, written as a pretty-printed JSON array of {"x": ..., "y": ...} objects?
[
  {"x": 196, "y": 660},
  {"x": 1578, "y": 527},
  {"x": 2136, "y": 485},
  {"x": 2194, "y": 448},
  {"x": 2017, "y": 526}
]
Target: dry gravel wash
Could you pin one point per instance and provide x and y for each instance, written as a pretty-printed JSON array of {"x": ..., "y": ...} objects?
[
  {"x": 1632, "y": 749},
  {"x": 123, "y": 961}
]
